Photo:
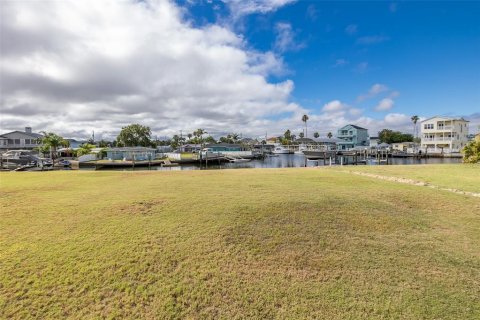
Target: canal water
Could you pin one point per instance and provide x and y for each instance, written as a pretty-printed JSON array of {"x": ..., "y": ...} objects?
[{"x": 287, "y": 161}]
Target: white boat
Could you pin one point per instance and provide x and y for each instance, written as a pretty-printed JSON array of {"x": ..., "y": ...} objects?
[
  {"x": 281, "y": 150},
  {"x": 301, "y": 148}
]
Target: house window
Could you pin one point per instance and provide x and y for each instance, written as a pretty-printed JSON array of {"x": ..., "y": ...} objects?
[
  {"x": 17, "y": 141},
  {"x": 27, "y": 141},
  {"x": 428, "y": 126}
]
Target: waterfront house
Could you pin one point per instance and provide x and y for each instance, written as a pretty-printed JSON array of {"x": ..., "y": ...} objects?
[
  {"x": 24, "y": 140},
  {"x": 352, "y": 136},
  {"x": 328, "y": 144},
  {"x": 304, "y": 141},
  {"x": 403, "y": 146},
  {"x": 190, "y": 147},
  {"x": 374, "y": 141},
  {"x": 444, "y": 134},
  {"x": 131, "y": 153},
  {"x": 219, "y": 147},
  {"x": 272, "y": 140},
  {"x": 74, "y": 144}
]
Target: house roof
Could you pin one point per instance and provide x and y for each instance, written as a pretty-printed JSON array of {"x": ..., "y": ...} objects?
[
  {"x": 32, "y": 135},
  {"x": 304, "y": 140},
  {"x": 357, "y": 127},
  {"x": 445, "y": 118},
  {"x": 130, "y": 149},
  {"x": 354, "y": 126},
  {"x": 329, "y": 140},
  {"x": 227, "y": 145}
]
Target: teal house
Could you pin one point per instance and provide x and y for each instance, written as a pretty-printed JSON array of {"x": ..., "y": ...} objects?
[
  {"x": 219, "y": 147},
  {"x": 131, "y": 153},
  {"x": 352, "y": 136}
]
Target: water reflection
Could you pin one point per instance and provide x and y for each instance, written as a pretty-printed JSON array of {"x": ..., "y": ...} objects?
[{"x": 296, "y": 160}]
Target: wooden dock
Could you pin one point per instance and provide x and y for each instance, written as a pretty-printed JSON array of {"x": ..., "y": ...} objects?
[{"x": 356, "y": 157}]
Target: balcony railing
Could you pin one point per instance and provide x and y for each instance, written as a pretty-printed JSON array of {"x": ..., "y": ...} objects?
[
  {"x": 18, "y": 145},
  {"x": 437, "y": 139},
  {"x": 449, "y": 128}
]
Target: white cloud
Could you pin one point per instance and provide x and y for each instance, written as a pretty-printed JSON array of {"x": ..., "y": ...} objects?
[
  {"x": 285, "y": 39},
  {"x": 340, "y": 63},
  {"x": 78, "y": 66},
  {"x": 385, "y": 104},
  {"x": 361, "y": 67},
  {"x": 355, "y": 112},
  {"x": 240, "y": 8},
  {"x": 334, "y": 106},
  {"x": 374, "y": 90},
  {"x": 394, "y": 94},
  {"x": 351, "y": 29}
]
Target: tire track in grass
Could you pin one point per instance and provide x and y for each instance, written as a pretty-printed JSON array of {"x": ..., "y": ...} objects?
[{"x": 413, "y": 182}]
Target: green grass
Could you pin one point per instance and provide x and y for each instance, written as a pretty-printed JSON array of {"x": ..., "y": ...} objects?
[
  {"x": 231, "y": 244},
  {"x": 464, "y": 177}
]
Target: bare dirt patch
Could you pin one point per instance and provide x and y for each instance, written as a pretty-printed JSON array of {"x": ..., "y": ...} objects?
[{"x": 142, "y": 207}]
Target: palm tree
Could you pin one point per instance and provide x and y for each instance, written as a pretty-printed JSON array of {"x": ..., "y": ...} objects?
[
  {"x": 52, "y": 141},
  {"x": 189, "y": 136},
  {"x": 316, "y": 135},
  {"x": 305, "y": 119},
  {"x": 235, "y": 137},
  {"x": 199, "y": 133},
  {"x": 414, "y": 120},
  {"x": 84, "y": 149},
  {"x": 329, "y": 135}
]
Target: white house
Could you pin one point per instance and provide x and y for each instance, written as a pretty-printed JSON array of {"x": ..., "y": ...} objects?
[
  {"x": 444, "y": 134},
  {"x": 25, "y": 140},
  {"x": 374, "y": 141}
]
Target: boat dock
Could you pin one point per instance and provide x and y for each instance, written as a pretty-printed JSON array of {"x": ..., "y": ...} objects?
[{"x": 356, "y": 157}]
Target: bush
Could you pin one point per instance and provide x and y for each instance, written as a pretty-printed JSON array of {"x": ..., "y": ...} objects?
[{"x": 471, "y": 152}]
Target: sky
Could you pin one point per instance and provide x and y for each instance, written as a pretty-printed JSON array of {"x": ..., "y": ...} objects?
[{"x": 252, "y": 67}]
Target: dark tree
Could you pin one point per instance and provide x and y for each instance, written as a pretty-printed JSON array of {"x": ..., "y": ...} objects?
[{"x": 135, "y": 135}]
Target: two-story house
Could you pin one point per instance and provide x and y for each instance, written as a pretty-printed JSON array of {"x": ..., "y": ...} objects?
[
  {"x": 19, "y": 140},
  {"x": 444, "y": 134},
  {"x": 352, "y": 136}
]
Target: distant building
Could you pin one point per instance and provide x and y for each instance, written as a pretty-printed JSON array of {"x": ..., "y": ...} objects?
[
  {"x": 472, "y": 136},
  {"x": 272, "y": 140},
  {"x": 190, "y": 147},
  {"x": 444, "y": 134},
  {"x": 328, "y": 144},
  {"x": 403, "y": 146},
  {"x": 352, "y": 136},
  {"x": 24, "y": 140},
  {"x": 219, "y": 147},
  {"x": 374, "y": 141},
  {"x": 131, "y": 153},
  {"x": 74, "y": 144}
]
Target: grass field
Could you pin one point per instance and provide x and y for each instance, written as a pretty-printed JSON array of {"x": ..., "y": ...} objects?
[{"x": 307, "y": 243}]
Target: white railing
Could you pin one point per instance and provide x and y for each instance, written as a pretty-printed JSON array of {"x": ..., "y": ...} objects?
[
  {"x": 445, "y": 128},
  {"x": 437, "y": 139},
  {"x": 19, "y": 145}
]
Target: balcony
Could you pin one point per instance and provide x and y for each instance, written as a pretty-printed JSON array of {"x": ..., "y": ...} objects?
[
  {"x": 437, "y": 139},
  {"x": 444, "y": 128},
  {"x": 18, "y": 145}
]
